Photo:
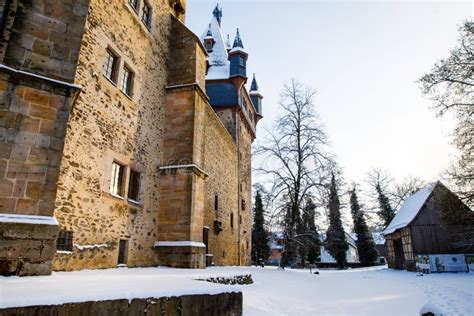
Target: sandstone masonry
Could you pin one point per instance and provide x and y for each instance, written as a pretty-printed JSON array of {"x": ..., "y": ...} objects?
[{"x": 110, "y": 140}]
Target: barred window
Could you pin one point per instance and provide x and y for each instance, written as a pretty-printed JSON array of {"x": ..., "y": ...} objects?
[
  {"x": 126, "y": 84},
  {"x": 110, "y": 63},
  {"x": 134, "y": 186},
  {"x": 64, "y": 241},
  {"x": 133, "y": 4},
  {"x": 116, "y": 179},
  {"x": 146, "y": 14}
]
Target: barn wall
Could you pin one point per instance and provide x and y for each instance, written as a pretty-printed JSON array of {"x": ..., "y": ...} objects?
[{"x": 443, "y": 226}]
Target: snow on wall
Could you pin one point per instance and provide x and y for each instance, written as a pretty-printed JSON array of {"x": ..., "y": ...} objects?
[{"x": 28, "y": 219}]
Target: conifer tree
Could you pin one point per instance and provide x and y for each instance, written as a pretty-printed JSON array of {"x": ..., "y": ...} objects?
[
  {"x": 311, "y": 235},
  {"x": 365, "y": 243},
  {"x": 260, "y": 248},
  {"x": 386, "y": 212},
  {"x": 336, "y": 242}
]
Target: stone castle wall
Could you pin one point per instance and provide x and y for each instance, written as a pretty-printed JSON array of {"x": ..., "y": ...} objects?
[
  {"x": 220, "y": 162},
  {"x": 105, "y": 126}
]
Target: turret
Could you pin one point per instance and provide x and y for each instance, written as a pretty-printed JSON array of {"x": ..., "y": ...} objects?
[
  {"x": 256, "y": 96},
  {"x": 209, "y": 40},
  {"x": 238, "y": 59},
  {"x": 227, "y": 44}
]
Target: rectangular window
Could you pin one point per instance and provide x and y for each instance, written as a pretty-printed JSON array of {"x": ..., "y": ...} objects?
[
  {"x": 64, "y": 241},
  {"x": 116, "y": 179},
  {"x": 146, "y": 14},
  {"x": 110, "y": 65},
  {"x": 216, "y": 202},
  {"x": 134, "y": 186},
  {"x": 126, "y": 84},
  {"x": 122, "y": 255},
  {"x": 133, "y": 4},
  {"x": 231, "y": 220}
]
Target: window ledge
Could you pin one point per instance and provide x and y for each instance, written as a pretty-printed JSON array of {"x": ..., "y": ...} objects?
[
  {"x": 110, "y": 80},
  {"x": 127, "y": 95},
  {"x": 112, "y": 196},
  {"x": 64, "y": 252},
  {"x": 137, "y": 203}
]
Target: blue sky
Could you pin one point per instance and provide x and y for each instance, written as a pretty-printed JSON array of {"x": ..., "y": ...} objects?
[{"x": 363, "y": 59}]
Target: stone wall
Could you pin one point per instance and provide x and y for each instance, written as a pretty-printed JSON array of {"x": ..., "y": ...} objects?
[
  {"x": 45, "y": 37},
  {"x": 220, "y": 162},
  {"x": 33, "y": 117},
  {"x": 107, "y": 125},
  {"x": 219, "y": 304}
]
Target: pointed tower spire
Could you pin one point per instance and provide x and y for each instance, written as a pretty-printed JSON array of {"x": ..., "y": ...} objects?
[
  {"x": 254, "y": 85},
  {"x": 238, "y": 40},
  {"x": 256, "y": 96},
  {"x": 217, "y": 13},
  {"x": 209, "y": 31}
]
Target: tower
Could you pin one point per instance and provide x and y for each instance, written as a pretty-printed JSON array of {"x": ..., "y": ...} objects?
[
  {"x": 238, "y": 59},
  {"x": 256, "y": 96}
]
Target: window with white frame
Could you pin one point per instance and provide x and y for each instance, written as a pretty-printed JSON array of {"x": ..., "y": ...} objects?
[
  {"x": 116, "y": 181},
  {"x": 146, "y": 14},
  {"x": 127, "y": 81},
  {"x": 134, "y": 4},
  {"x": 109, "y": 69}
]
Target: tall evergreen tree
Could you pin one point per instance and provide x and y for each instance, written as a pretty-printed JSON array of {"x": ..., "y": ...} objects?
[
  {"x": 386, "y": 212},
  {"x": 365, "y": 243},
  {"x": 336, "y": 242},
  {"x": 311, "y": 235},
  {"x": 260, "y": 248}
]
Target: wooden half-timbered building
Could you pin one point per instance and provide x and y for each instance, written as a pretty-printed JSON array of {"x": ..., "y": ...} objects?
[{"x": 431, "y": 221}]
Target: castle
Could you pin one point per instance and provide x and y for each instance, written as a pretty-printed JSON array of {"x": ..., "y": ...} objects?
[{"x": 124, "y": 138}]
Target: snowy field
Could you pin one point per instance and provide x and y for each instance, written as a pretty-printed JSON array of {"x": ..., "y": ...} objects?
[{"x": 371, "y": 291}]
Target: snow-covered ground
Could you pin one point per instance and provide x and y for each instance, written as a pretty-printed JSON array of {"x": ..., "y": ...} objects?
[{"x": 371, "y": 291}]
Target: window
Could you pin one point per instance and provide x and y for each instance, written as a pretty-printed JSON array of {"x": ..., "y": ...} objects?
[
  {"x": 146, "y": 14},
  {"x": 126, "y": 84},
  {"x": 134, "y": 186},
  {"x": 216, "y": 202},
  {"x": 64, "y": 241},
  {"x": 133, "y": 4},
  {"x": 122, "y": 255},
  {"x": 231, "y": 220},
  {"x": 110, "y": 65},
  {"x": 241, "y": 62},
  {"x": 116, "y": 179}
]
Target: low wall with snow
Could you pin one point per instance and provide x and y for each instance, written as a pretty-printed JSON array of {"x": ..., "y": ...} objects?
[{"x": 218, "y": 304}]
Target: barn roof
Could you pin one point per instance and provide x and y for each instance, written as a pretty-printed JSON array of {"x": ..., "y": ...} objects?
[{"x": 410, "y": 208}]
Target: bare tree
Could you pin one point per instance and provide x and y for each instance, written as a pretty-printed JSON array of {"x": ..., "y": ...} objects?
[
  {"x": 295, "y": 156},
  {"x": 405, "y": 189},
  {"x": 450, "y": 85}
]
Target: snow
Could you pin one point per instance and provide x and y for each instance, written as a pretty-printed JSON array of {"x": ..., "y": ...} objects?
[
  {"x": 28, "y": 219},
  {"x": 218, "y": 58},
  {"x": 366, "y": 291},
  {"x": 91, "y": 246},
  {"x": 67, "y": 84},
  {"x": 179, "y": 244},
  {"x": 410, "y": 209}
]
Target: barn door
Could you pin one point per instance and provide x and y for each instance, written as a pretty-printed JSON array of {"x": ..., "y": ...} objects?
[{"x": 399, "y": 255}]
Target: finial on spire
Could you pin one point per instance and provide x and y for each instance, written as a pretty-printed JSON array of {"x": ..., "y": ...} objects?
[
  {"x": 254, "y": 85},
  {"x": 209, "y": 32},
  {"x": 217, "y": 13},
  {"x": 238, "y": 40},
  {"x": 227, "y": 42}
]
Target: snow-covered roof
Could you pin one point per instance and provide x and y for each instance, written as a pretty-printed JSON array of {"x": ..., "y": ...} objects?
[
  {"x": 218, "y": 58},
  {"x": 410, "y": 208}
]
